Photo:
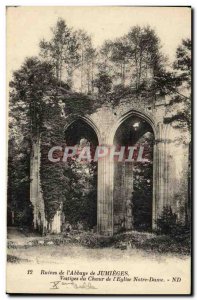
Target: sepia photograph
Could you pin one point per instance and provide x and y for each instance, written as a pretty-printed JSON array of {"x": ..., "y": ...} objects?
[{"x": 99, "y": 161}]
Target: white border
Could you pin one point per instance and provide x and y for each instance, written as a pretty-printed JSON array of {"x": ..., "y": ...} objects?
[{"x": 3, "y": 146}]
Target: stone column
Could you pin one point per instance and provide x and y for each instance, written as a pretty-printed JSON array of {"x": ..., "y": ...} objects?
[
  {"x": 105, "y": 197},
  {"x": 56, "y": 223},
  {"x": 39, "y": 221},
  {"x": 159, "y": 186},
  {"x": 119, "y": 196},
  {"x": 128, "y": 187},
  {"x": 177, "y": 180}
]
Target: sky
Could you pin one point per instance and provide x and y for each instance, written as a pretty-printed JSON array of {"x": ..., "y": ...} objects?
[{"x": 26, "y": 26}]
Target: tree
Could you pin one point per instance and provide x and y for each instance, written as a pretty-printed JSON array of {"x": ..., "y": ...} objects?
[
  {"x": 87, "y": 55},
  {"x": 183, "y": 62},
  {"x": 167, "y": 221},
  {"x": 103, "y": 83},
  {"x": 145, "y": 53},
  {"x": 68, "y": 52},
  {"x": 133, "y": 58},
  {"x": 104, "y": 63},
  {"x": 37, "y": 112},
  {"x": 120, "y": 56},
  {"x": 19, "y": 206},
  {"x": 178, "y": 84},
  {"x": 29, "y": 86},
  {"x": 29, "y": 107},
  {"x": 61, "y": 51}
]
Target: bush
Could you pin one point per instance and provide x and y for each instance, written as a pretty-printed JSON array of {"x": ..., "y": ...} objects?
[
  {"x": 168, "y": 224},
  {"x": 167, "y": 221}
]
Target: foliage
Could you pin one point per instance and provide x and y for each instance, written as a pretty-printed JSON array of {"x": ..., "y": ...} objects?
[
  {"x": 152, "y": 242},
  {"x": 87, "y": 59},
  {"x": 169, "y": 225},
  {"x": 61, "y": 50},
  {"x": 37, "y": 108},
  {"x": 167, "y": 221},
  {"x": 134, "y": 59},
  {"x": 80, "y": 200},
  {"x": 15, "y": 260},
  {"x": 183, "y": 62},
  {"x": 61, "y": 183},
  {"x": 179, "y": 85},
  {"x": 80, "y": 104},
  {"x": 71, "y": 54},
  {"x": 28, "y": 87},
  {"x": 130, "y": 241},
  {"x": 18, "y": 185},
  {"x": 142, "y": 196},
  {"x": 103, "y": 83},
  {"x": 143, "y": 182}
]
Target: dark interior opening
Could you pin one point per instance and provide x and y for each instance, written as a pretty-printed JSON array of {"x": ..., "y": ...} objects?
[
  {"x": 80, "y": 205},
  {"x": 134, "y": 182}
]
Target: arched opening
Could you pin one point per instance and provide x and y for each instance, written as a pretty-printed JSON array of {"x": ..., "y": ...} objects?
[
  {"x": 133, "y": 180},
  {"x": 80, "y": 205}
]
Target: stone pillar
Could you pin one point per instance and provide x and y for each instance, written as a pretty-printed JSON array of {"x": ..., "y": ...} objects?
[
  {"x": 177, "y": 180},
  {"x": 119, "y": 199},
  {"x": 128, "y": 187},
  {"x": 159, "y": 186},
  {"x": 56, "y": 222},
  {"x": 105, "y": 197},
  {"x": 39, "y": 221},
  {"x": 170, "y": 174}
]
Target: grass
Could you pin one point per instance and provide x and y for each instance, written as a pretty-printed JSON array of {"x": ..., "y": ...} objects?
[
  {"x": 14, "y": 259},
  {"x": 155, "y": 243},
  {"x": 149, "y": 242}
]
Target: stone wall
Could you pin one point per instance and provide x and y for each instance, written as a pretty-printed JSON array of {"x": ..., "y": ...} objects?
[{"x": 170, "y": 167}]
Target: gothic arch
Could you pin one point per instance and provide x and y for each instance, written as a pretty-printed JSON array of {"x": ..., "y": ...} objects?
[
  {"x": 83, "y": 125},
  {"x": 150, "y": 121},
  {"x": 125, "y": 116},
  {"x": 74, "y": 117}
]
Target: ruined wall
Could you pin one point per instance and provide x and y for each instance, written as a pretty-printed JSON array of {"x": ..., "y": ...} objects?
[{"x": 170, "y": 168}]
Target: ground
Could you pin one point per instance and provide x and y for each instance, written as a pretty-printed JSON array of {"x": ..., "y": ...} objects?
[
  {"x": 24, "y": 246},
  {"x": 140, "y": 255}
]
